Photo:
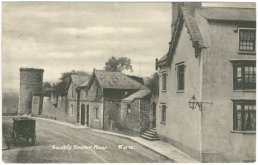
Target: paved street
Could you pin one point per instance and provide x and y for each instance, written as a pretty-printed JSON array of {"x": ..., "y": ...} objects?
[{"x": 58, "y": 143}]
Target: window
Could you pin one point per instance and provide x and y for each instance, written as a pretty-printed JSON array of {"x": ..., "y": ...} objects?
[
  {"x": 244, "y": 117},
  {"x": 128, "y": 108},
  {"x": 86, "y": 93},
  {"x": 72, "y": 92},
  {"x": 164, "y": 81},
  {"x": 96, "y": 114},
  {"x": 163, "y": 113},
  {"x": 71, "y": 110},
  {"x": 245, "y": 75},
  {"x": 181, "y": 77},
  {"x": 246, "y": 39}
]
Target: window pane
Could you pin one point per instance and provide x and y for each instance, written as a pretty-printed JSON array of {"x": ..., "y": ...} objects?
[
  {"x": 245, "y": 116},
  {"x": 239, "y": 72},
  {"x": 245, "y": 76},
  {"x": 180, "y": 77},
  {"x": 247, "y": 40}
]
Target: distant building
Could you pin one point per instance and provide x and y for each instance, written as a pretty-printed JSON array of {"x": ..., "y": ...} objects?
[
  {"x": 61, "y": 103},
  {"x": 135, "y": 112},
  {"x": 207, "y": 97},
  {"x": 104, "y": 94}
]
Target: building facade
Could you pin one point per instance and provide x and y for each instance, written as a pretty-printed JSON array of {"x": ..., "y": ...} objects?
[
  {"x": 211, "y": 64},
  {"x": 104, "y": 94}
]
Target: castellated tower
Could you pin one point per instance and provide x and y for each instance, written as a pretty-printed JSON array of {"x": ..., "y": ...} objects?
[{"x": 31, "y": 81}]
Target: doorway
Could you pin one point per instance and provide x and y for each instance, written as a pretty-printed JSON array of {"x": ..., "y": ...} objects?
[
  {"x": 82, "y": 114},
  {"x": 87, "y": 112},
  {"x": 153, "y": 123}
]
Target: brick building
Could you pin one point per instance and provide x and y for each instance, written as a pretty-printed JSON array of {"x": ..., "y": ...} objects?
[{"x": 207, "y": 97}]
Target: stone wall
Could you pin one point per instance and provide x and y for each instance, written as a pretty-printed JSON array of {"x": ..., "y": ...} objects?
[
  {"x": 130, "y": 122},
  {"x": 112, "y": 115},
  {"x": 96, "y": 115},
  {"x": 35, "y": 105},
  {"x": 145, "y": 108},
  {"x": 31, "y": 81}
]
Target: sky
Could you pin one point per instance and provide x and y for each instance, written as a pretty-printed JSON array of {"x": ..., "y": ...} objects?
[
  {"x": 64, "y": 36},
  {"x": 60, "y": 37}
]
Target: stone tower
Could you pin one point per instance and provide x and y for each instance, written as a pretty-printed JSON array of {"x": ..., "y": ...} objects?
[{"x": 31, "y": 81}]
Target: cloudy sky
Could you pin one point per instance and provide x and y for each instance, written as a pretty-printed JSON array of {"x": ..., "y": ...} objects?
[{"x": 60, "y": 37}]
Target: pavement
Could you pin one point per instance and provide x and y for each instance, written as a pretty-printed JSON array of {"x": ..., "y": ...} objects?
[{"x": 158, "y": 147}]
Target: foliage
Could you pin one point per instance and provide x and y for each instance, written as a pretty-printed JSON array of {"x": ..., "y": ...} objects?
[
  {"x": 154, "y": 84},
  {"x": 46, "y": 85},
  {"x": 65, "y": 78},
  {"x": 118, "y": 64}
]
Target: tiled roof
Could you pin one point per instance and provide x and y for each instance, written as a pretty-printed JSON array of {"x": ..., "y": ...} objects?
[
  {"x": 84, "y": 84},
  {"x": 228, "y": 14},
  {"x": 79, "y": 79},
  {"x": 137, "y": 95},
  {"x": 116, "y": 80}
]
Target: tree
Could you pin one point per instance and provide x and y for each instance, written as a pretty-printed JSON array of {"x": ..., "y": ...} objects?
[
  {"x": 65, "y": 78},
  {"x": 66, "y": 75},
  {"x": 118, "y": 64},
  {"x": 46, "y": 85},
  {"x": 154, "y": 84}
]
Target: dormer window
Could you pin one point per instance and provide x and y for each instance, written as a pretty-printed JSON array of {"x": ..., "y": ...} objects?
[{"x": 247, "y": 39}]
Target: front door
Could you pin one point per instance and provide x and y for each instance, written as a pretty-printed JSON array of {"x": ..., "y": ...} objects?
[
  {"x": 154, "y": 115},
  {"x": 82, "y": 114}
]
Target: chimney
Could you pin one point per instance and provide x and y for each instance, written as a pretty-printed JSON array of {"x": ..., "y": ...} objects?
[
  {"x": 176, "y": 7},
  {"x": 175, "y": 12},
  {"x": 192, "y": 6}
]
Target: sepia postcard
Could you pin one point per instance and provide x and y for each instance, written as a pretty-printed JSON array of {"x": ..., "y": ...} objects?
[{"x": 113, "y": 82}]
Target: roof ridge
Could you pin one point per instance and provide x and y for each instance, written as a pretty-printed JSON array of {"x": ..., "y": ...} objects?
[{"x": 208, "y": 7}]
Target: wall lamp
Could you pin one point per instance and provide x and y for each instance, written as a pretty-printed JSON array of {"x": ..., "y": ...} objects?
[{"x": 193, "y": 103}]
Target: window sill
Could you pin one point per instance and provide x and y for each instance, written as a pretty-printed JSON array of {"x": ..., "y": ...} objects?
[
  {"x": 180, "y": 91},
  {"x": 243, "y": 132},
  {"x": 247, "y": 52},
  {"x": 244, "y": 90},
  {"x": 163, "y": 90},
  {"x": 162, "y": 122}
]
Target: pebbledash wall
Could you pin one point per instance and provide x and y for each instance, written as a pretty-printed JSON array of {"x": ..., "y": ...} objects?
[
  {"x": 183, "y": 126},
  {"x": 31, "y": 81},
  {"x": 219, "y": 141}
]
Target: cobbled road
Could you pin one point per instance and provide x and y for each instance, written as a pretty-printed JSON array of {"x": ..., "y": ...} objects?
[{"x": 58, "y": 143}]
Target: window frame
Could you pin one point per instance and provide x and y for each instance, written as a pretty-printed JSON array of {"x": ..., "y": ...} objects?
[
  {"x": 180, "y": 76},
  {"x": 96, "y": 114},
  {"x": 71, "y": 110},
  {"x": 164, "y": 81},
  {"x": 239, "y": 41},
  {"x": 163, "y": 115},
  {"x": 243, "y": 65},
  {"x": 243, "y": 112},
  {"x": 128, "y": 108}
]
